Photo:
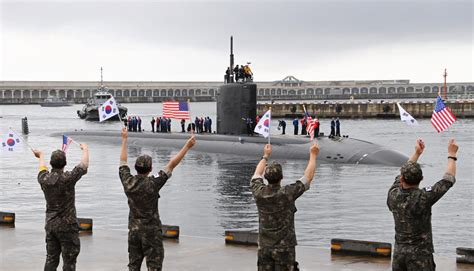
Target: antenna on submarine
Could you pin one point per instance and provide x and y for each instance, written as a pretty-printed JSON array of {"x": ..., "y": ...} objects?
[{"x": 231, "y": 59}]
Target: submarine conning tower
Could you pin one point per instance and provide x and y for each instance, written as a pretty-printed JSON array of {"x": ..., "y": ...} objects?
[{"x": 236, "y": 101}]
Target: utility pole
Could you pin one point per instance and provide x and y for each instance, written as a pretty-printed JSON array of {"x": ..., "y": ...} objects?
[{"x": 445, "y": 86}]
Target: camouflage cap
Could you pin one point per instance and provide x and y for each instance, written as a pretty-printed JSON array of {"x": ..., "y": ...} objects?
[
  {"x": 143, "y": 161},
  {"x": 273, "y": 172},
  {"x": 58, "y": 159},
  {"x": 411, "y": 172}
]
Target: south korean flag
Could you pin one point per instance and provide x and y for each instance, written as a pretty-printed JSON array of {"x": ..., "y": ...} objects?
[
  {"x": 11, "y": 141},
  {"x": 263, "y": 126},
  {"x": 108, "y": 109}
]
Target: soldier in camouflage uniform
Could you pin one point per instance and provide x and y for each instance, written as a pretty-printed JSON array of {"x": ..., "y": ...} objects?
[
  {"x": 411, "y": 208},
  {"x": 276, "y": 211},
  {"x": 145, "y": 236},
  {"x": 62, "y": 230}
]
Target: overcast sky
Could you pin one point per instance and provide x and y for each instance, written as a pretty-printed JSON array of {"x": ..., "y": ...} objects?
[{"x": 189, "y": 40}]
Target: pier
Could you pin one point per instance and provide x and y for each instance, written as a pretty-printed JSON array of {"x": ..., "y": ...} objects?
[
  {"x": 23, "y": 248},
  {"x": 365, "y": 109}
]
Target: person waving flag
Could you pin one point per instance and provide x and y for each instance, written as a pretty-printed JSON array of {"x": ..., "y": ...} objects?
[
  {"x": 442, "y": 116},
  {"x": 108, "y": 109},
  {"x": 263, "y": 125}
]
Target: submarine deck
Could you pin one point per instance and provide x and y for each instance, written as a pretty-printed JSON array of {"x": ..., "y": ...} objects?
[
  {"x": 23, "y": 248},
  {"x": 340, "y": 150}
]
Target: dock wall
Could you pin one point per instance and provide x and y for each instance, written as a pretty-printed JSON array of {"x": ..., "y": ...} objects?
[
  {"x": 418, "y": 109},
  {"x": 119, "y": 99}
]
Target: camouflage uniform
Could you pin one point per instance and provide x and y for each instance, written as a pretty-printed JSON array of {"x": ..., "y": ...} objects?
[
  {"x": 276, "y": 213},
  {"x": 62, "y": 230},
  {"x": 144, "y": 236},
  {"x": 411, "y": 210}
]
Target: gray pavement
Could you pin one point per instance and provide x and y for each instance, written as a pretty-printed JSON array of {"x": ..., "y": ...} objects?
[{"x": 23, "y": 248}]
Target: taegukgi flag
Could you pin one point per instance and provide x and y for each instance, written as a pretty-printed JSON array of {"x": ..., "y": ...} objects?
[
  {"x": 406, "y": 117},
  {"x": 108, "y": 109},
  {"x": 11, "y": 141},
  {"x": 263, "y": 126}
]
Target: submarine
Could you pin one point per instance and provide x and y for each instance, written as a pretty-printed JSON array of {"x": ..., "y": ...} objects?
[
  {"x": 341, "y": 151},
  {"x": 237, "y": 100}
]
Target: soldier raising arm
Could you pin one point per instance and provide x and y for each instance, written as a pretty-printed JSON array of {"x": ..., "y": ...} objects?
[
  {"x": 142, "y": 190},
  {"x": 171, "y": 164},
  {"x": 62, "y": 231},
  {"x": 276, "y": 211},
  {"x": 411, "y": 208}
]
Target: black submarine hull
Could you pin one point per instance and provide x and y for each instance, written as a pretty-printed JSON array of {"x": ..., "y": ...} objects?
[{"x": 341, "y": 151}]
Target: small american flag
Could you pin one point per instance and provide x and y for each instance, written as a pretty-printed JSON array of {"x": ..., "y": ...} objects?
[
  {"x": 442, "y": 116},
  {"x": 66, "y": 142},
  {"x": 176, "y": 110},
  {"x": 310, "y": 126}
]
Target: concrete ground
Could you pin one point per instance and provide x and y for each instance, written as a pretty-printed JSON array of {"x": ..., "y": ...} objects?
[{"x": 23, "y": 248}]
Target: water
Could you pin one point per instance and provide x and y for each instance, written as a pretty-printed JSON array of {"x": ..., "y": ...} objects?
[{"x": 209, "y": 193}]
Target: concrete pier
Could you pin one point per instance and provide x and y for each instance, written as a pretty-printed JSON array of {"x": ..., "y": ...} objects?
[
  {"x": 24, "y": 248},
  {"x": 365, "y": 109}
]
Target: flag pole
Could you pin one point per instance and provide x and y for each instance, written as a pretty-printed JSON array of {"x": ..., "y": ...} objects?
[
  {"x": 269, "y": 126},
  {"x": 26, "y": 142},
  {"x": 118, "y": 109},
  {"x": 120, "y": 118},
  {"x": 190, "y": 118},
  {"x": 416, "y": 134},
  {"x": 75, "y": 142}
]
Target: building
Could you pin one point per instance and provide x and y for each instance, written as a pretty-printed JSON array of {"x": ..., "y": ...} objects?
[{"x": 289, "y": 88}]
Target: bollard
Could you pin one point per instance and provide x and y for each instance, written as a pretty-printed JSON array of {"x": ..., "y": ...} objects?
[
  {"x": 85, "y": 224},
  {"x": 370, "y": 248},
  {"x": 169, "y": 231},
  {"x": 465, "y": 255},
  {"x": 248, "y": 238},
  {"x": 24, "y": 126},
  {"x": 7, "y": 218}
]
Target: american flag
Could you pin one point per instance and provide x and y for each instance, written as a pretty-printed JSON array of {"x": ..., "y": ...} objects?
[
  {"x": 176, "y": 110},
  {"x": 66, "y": 142},
  {"x": 442, "y": 116},
  {"x": 309, "y": 125}
]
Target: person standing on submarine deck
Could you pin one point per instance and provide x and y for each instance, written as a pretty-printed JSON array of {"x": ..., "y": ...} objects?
[
  {"x": 338, "y": 127},
  {"x": 333, "y": 128},
  {"x": 295, "y": 125},
  {"x": 276, "y": 211}
]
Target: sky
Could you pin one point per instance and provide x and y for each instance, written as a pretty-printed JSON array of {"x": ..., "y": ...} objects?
[{"x": 189, "y": 40}]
